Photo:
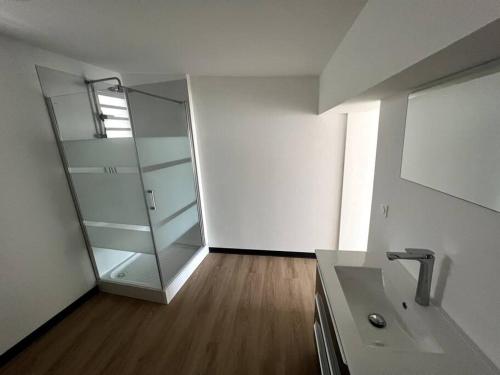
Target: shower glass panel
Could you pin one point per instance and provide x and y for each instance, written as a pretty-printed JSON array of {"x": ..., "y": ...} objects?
[
  {"x": 101, "y": 163},
  {"x": 163, "y": 141}
]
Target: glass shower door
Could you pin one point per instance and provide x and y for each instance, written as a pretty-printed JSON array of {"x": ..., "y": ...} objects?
[
  {"x": 167, "y": 167},
  {"x": 104, "y": 175}
]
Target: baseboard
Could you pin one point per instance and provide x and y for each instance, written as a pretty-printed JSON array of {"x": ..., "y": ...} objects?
[
  {"x": 44, "y": 328},
  {"x": 274, "y": 253}
]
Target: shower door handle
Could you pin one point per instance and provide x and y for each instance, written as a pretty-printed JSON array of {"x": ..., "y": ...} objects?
[{"x": 152, "y": 203}]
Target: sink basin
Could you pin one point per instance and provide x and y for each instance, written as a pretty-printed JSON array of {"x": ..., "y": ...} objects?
[{"x": 369, "y": 290}]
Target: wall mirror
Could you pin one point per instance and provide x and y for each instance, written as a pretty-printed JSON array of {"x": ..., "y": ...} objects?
[{"x": 452, "y": 137}]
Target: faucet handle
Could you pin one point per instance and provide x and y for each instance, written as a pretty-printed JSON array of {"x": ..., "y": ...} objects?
[{"x": 422, "y": 252}]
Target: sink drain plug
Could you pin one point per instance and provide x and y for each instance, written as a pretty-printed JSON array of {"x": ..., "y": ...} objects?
[{"x": 377, "y": 320}]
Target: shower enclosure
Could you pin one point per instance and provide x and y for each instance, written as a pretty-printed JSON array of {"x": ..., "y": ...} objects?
[{"x": 130, "y": 163}]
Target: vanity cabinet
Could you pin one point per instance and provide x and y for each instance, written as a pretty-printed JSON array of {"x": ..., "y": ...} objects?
[{"x": 328, "y": 345}]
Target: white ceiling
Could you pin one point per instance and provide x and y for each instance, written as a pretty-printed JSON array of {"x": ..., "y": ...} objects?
[{"x": 202, "y": 37}]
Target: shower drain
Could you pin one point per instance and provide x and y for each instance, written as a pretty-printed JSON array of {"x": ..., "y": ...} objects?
[{"x": 121, "y": 275}]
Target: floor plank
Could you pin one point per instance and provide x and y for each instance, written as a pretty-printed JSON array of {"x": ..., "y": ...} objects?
[{"x": 238, "y": 314}]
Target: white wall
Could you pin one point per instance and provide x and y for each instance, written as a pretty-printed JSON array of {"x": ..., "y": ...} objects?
[
  {"x": 271, "y": 167},
  {"x": 391, "y": 35},
  {"x": 465, "y": 236},
  {"x": 359, "y": 167},
  {"x": 44, "y": 265}
]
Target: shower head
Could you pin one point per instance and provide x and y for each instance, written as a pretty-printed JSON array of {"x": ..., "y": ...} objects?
[{"x": 116, "y": 88}]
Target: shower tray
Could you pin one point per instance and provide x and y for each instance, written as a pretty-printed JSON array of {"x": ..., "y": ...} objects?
[{"x": 136, "y": 271}]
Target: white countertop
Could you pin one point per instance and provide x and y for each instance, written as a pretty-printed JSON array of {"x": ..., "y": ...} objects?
[{"x": 459, "y": 355}]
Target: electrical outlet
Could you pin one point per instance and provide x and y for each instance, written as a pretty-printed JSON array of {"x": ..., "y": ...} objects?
[{"x": 384, "y": 209}]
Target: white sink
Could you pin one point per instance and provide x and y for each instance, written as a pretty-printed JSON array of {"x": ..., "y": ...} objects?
[
  {"x": 368, "y": 290},
  {"x": 416, "y": 340}
]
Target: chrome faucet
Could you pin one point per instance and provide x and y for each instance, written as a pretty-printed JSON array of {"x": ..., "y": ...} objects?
[{"x": 426, "y": 259}]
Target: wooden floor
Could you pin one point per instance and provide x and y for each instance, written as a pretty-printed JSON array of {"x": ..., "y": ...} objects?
[{"x": 238, "y": 314}]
